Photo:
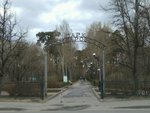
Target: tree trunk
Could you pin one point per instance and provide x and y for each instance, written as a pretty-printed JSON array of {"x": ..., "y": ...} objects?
[{"x": 135, "y": 72}]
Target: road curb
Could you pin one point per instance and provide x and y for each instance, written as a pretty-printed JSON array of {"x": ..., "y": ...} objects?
[
  {"x": 96, "y": 94},
  {"x": 55, "y": 95}
]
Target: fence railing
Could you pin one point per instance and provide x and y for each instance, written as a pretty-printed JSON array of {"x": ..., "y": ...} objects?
[
  {"x": 22, "y": 88},
  {"x": 127, "y": 88}
]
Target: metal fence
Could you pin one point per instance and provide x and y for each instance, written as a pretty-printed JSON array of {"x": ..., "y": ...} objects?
[
  {"x": 22, "y": 89},
  {"x": 127, "y": 88}
]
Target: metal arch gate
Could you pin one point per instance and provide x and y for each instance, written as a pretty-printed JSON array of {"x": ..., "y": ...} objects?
[{"x": 79, "y": 37}]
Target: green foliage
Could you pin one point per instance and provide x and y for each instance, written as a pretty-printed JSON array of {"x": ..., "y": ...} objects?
[{"x": 47, "y": 37}]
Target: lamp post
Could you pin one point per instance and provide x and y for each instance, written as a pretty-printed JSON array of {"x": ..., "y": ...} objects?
[
  {"x": 45, "y": 74},
  {"x": 99, "y": 83},
  {"x": 103, "y": 66},
  {"x": 93, "y": 72},
  {"x": 101, "y": 74}
]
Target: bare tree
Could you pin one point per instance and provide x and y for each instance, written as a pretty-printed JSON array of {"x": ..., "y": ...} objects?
[
  {"x": 68, "y": 49},
  {"x": 28, "y": 63},
  {"x": 9, "y": 38},
  {"x": 132, "y": 31}
]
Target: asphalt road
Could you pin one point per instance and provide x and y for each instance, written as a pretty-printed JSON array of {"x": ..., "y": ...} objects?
[{"x": 78, "y": 99}]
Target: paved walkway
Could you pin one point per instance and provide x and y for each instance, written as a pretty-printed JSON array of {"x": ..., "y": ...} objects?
[{"x": 79, "y": 96}]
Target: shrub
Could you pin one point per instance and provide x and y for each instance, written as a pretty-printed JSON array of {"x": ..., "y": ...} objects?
[{"x": 53, "y": 82}]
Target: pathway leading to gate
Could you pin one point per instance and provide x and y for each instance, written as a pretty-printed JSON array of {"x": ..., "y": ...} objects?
[{"x": 78, "y": 97}]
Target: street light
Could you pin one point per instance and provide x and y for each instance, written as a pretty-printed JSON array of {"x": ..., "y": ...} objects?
[
  {"x": 94, "y": 54},
  {"x": 101, "y": 75},
  {"x": 93, "y": 72}
]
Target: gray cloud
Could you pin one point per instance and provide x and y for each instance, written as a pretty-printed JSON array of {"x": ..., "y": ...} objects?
[
  {"x": 34, "y": 5},
  {"x": 46, "y": 14},
  {"x": 93, "y": 5},
  {"x": 89, "y": 5}
]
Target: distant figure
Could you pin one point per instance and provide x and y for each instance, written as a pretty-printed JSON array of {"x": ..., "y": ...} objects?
[{"x": 82, "y": 78}]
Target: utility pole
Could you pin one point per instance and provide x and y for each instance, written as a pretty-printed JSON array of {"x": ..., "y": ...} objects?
[
  {"x": 45, "y": 74},
  {"x": 63, "y": 60},
  {"x": 103, "y": 68}
]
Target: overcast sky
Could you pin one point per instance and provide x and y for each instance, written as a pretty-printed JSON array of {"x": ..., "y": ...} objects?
[{"x": 44, "y": 15}]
